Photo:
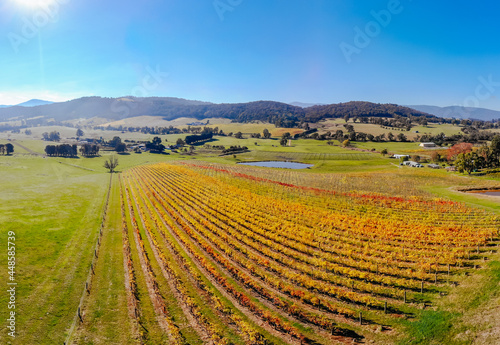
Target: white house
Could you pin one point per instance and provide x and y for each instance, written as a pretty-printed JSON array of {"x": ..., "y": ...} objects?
[
  {"x": 400, "y": 156},
  {"x": 428, "y": 145}
]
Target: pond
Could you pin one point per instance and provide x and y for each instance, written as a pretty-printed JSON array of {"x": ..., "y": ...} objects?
[
  {"x": 279, "y": 164},
  {"x": 491, "y": 192}
]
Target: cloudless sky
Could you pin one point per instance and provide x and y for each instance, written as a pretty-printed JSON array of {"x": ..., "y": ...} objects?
[{"x": 428, "y": 52}]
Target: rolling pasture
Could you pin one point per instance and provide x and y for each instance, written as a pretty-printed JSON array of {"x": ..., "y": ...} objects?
[{"x": 179, "y": 250}]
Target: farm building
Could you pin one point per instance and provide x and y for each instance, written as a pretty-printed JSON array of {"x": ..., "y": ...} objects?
[
  {"x": 400, "y": 156},
  {"x": 412, "y": 164},
  {"x": 428, "y": 145}
]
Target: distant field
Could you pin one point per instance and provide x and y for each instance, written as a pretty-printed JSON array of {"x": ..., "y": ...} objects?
[
  {"x": 333, "y": 125},
  {"x": 250, "y": 128},
  {"x": 158, "y": 121}
]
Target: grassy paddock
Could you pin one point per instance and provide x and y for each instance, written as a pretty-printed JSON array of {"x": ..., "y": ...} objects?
[
  {"x": 54, "y": 207},
  {"x": 54, "y": 211}
]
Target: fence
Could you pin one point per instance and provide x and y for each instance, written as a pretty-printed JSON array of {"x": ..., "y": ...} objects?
[{"x": 88, "y": 282}]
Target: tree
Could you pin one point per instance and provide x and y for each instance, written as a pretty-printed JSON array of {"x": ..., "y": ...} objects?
[
  {"x": 180, "y": 142},
  {"x": 87, "y": 150},
  {"x": 115, "y": 141},
  {"x": 390, "y": 136},
  {"x": 349, "y": 128},
  {"x": 457, "y": 149},
  {"x": 52, "y": 136},
  {"x": 238, "y": 135},
  {"x": 156, "y": 141},
  {"x": 156, "y": 146},
  {"x": 266, "y": 134},
  {"x": 346, "y": 143},
  {"x": 111, "y": 164},
  {"x": 495, "y": 146},
  {"x": 466, "y": 162},
  {"x": 79, "y": 133},
  {"x": 435, "y": 157},
  {"x": 384, "y": 152},
  {"x": 401, "y": 137},
  {"x": 121, "y": 147},
  {"x": 9, "y": 148}
]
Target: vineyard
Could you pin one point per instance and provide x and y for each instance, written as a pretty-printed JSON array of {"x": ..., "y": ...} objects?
[{"x": 220, "y": 255}]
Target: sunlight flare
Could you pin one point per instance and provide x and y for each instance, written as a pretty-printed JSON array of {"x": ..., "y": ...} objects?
[{"x": 35, "y": 3}]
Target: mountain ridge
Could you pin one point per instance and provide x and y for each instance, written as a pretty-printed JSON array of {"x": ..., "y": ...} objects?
[
  {"x": 170, "y": 108},
  {"x": 459, "y": 112}
]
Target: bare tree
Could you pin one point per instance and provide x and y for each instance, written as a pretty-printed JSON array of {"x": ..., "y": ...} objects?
[{"x": 111, "y": 164}]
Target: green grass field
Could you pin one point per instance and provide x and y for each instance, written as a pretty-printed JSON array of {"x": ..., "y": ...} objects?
[{"x": 55, "y": 207}]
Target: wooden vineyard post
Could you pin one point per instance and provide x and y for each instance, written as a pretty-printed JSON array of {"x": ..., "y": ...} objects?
[
  {"x": 360, "y": 318},
  {"x": 405, "y": 297},
  {"x": 422, "y": 287},
  {"x": 385, "y": 307}
]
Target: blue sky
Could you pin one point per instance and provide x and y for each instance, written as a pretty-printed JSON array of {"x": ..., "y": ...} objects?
[{"x": 326, "y": 51}]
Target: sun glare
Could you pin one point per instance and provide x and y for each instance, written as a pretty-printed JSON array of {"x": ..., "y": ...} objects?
[{"x": 35, "y": 3}]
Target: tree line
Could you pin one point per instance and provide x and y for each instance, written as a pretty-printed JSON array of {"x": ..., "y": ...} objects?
[
  {"x": 67, "y": 150},
  {"x": 63, "y": 150},
  {"x": 194, "y": 139}
]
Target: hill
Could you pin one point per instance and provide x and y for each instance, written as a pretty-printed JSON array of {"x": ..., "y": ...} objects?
[
  {"x": 88, "y": 107},
  {"x": 360, "y": 109},
  {"x": 459, "y": 112},
  {"x": 34, "y": 103},
  {"x": 168, "y": 108},
  {"x": 30, "y": 103}
]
